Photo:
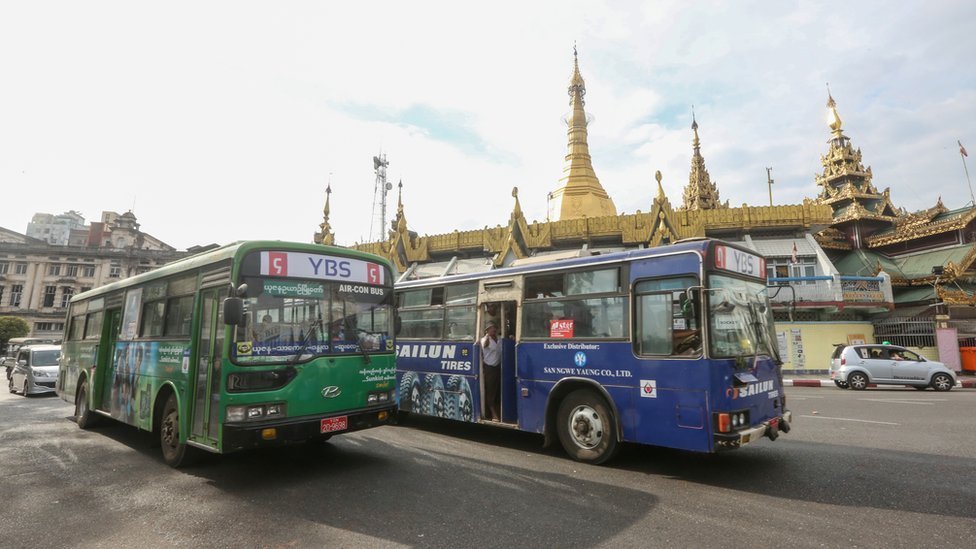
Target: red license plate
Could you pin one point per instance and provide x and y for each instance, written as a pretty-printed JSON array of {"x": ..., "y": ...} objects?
[{"x": 333, "y": 424}]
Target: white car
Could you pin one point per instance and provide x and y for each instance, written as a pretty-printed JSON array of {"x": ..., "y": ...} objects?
[
  {"x": 36, "y": 369},
  {"x": 856, "y": 366}
]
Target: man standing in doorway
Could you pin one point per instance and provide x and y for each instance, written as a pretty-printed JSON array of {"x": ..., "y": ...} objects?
[{"x": 491, "y": 358}]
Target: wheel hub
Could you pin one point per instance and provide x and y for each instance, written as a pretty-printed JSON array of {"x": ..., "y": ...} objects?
[
  {"x": 586, "y": 426},
  {"x": 168, "y": 431}
]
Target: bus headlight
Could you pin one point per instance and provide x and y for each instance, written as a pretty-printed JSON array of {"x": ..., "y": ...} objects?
[
  {"x": 380, "y": 397},
  {"x": 255, "y": 412}
]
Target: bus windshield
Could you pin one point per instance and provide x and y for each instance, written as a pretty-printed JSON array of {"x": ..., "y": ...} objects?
[
  {"x": 290, "y": 319},
  {"x": 740, "y": 318}
]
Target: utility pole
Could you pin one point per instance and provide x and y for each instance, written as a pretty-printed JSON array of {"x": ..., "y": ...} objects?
[{"x": 769, "y": 182}]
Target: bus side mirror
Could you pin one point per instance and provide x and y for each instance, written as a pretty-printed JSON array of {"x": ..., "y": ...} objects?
[
  {"x": 233, "y": 311},
  {"x": 397, "y": 324}
]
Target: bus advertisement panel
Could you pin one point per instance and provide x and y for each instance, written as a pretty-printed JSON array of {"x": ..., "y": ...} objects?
[
  {"x": 671, "y": 346},
  {"x": 252, "y": 344}
]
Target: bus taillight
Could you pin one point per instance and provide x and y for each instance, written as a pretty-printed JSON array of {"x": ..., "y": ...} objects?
[{"x": 724, "y": 422}]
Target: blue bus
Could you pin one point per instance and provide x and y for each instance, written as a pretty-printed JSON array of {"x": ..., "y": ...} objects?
[{"x": 672, "y": 346}]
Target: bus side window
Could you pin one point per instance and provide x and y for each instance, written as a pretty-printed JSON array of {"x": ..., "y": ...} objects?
[{"x": 669, "y": 322}]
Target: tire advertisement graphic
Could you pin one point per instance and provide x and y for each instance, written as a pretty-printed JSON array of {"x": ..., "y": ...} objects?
[{"x": 435, "y": 395}]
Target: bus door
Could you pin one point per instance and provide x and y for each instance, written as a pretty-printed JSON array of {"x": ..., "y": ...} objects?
[
  {"x": 205, "y": 422},
  {"x": 504, "y": 314},
  {"x": 105, "y": 360}
]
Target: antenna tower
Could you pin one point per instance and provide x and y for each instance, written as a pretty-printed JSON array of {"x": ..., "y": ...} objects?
[{"x": 377, "y": 225}]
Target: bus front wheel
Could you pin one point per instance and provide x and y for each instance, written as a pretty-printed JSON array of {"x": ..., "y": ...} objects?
[
  {"x": 175, "y": 454},
  {"x": 586, "y": 427}
]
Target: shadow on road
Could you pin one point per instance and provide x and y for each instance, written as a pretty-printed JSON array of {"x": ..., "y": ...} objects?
[
  {"x": 382, "y": 488},
  {"x": 811, "y": 472}
]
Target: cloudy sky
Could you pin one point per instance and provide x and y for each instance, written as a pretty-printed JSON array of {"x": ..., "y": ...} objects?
[{"x": 221, "y": 121}]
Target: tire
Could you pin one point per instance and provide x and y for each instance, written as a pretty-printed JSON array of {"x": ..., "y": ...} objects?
[
  {"x": 942, "y": 382},
  {"x": 175, "y": 453},
  {"x": 460, "y": 405},
  {"x": 586, "y": 427},
  {"x": 842, "y": 384},
  {"x": 84, "y": 417},
  {"x": 432, "y": 400},
  {"x": 410, "y": 392},
  {"x": 858, "y": 381}
]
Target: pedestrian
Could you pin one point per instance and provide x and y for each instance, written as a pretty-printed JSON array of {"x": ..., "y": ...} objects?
[{"x": 491, "y": 359}]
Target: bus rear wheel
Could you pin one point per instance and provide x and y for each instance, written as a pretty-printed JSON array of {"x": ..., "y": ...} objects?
[
  {"x": 84, "y": 417},
  {"x": 586, "y": 427},
  {"x": 175, "y": 454}
]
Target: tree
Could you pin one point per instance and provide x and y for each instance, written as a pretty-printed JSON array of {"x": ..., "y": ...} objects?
[{"x": 10, "y": 327}]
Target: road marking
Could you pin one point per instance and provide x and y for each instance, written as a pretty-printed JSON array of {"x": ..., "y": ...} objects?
[
  {"x": 901, "y": 401},
  {"x": 849, "y": 419}
]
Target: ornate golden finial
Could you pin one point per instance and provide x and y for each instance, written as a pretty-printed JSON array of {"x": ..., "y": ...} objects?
[
  {"x": 660, "y": 188},
  {"x": 399, "y": 222},
  {"x": 328, "y": 196},
  {"x": 325, "y": 234},
  {"x": 400, "y": 197},
  {"x": 696, "y": 143},
  {"x": 577, "y": 87},
  {"x": 833, "y": 119}
]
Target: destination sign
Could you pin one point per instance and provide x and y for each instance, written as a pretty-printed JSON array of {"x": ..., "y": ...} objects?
[
  {"x": 738, "y": 261},
  {"x": 322, "y": 267}
]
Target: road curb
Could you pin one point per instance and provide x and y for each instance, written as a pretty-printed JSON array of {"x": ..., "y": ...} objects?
[{"x": 963, "y": 383}]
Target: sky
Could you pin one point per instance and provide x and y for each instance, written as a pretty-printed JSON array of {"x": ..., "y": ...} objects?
[{"x": 222, "y": 121}]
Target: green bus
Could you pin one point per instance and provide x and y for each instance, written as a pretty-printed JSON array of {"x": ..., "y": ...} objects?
[{"x": 251, "y": 344}]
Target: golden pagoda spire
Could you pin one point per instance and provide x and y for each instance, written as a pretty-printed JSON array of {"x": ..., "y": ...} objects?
[
  {"x": 701, "y": 193},
  {"x": 579, "y": 193},
  {"x": 325, "y": 234},
  {"x": 846, "y": 184}
]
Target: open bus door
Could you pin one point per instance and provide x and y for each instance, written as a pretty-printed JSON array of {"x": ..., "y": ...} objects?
[
  {"x": 498, "y": 302},
  {"x": 504, "y": 315},
  {"x": 205, "y": 373}
]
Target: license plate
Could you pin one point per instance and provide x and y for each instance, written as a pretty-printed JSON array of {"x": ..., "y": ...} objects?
[{"x": 333, "y": 424}]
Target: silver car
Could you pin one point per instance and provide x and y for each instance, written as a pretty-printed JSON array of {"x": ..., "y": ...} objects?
[
  {"x": 856, "y": 366},
  {"x": 36, "y": 369}
]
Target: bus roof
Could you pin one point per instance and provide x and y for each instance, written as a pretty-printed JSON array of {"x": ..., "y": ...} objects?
[
  {"x": 225, "y": 252},
  {"x": 696, "y": 245}
]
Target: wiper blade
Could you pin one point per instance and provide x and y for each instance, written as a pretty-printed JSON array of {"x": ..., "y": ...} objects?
[
  {"x": 306, "y": 340},
  {"x": 359, "y": 344}
]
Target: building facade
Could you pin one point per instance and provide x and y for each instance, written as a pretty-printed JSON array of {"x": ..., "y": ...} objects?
[{"x": 38, "y": 277}]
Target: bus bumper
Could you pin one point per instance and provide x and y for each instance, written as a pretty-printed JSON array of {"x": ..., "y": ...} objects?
[
  {"x": 770, "y": 429},
  {"x": 239, "y": 436}
]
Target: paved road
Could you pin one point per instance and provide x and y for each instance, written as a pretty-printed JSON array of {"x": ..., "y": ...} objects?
[{"x": 879, "y": 468}]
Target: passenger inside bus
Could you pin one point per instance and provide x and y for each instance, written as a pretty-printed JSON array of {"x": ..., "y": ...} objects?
[{"x": 265, "y": 332}]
